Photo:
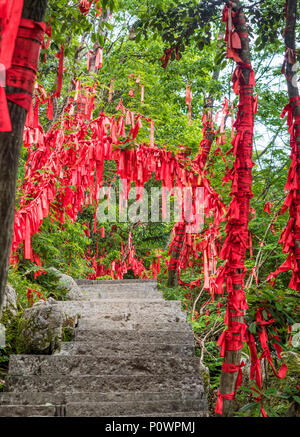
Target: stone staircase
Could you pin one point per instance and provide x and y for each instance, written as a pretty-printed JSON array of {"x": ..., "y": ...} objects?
[{"x": 132, "y": 355}]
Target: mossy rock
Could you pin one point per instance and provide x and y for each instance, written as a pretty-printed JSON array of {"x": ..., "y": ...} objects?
[{"x": 44, "y": 327}]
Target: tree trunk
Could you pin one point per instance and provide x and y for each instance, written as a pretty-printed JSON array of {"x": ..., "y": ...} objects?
[
  {"x": 293, "y": 92},
  {"x": 234, "y": 248},
  {"x": 175, "y": 254},
  {"x": 10, "y": 145}
]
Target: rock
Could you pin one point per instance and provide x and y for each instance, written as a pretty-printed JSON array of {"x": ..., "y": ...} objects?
[
  {"x": 65, "y": 281},
  {"x": 10, "y": 300},
  {"x": 44, "y": 326}
]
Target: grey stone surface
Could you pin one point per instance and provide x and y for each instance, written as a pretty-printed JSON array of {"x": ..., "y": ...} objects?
[
  {"x": 27, "y": 410},
  {"x": 124, "y": 349},
  {"x": 138, "y": 282},
  {"x": 66, "y": 281},
  {"x": 42, "y": 398},
  {"x": 104, "y": 383},
  {"x": 32, "y": 398},
  {"x": 136, "y": 295},
  {"x": 43, "y": 325},
  {"x": 93, "y": 409},
  {"x": 135, "y": 396},
  {"x": 131, "y": 355},
  {"x": 106, "y": 365},
  {"x": 177, "y": 414},
  {"x": 173, "y": 336},
  {"x": 10, "y": 300},
  {"x": 136, "y": 308},
  {"x": 123, "y": 322}
]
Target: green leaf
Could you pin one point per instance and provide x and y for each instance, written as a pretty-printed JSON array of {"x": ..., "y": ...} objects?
[
  {"x": 265, "y": 315},
  {"x": 271, "y": 391},
  {"x": 248, "y": 406},
  {"x": 296, "y": 398}
]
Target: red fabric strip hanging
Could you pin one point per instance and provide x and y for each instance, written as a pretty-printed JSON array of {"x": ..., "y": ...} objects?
[
  {"x": 60, "y": 72},
  {"x": 10, "y": 16},
  {"x": 25, "y": 62}
]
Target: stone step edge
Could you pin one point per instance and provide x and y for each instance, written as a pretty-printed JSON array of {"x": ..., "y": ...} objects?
[
  {"x": 181, "y": 414},
  {"x": 62, "y": 398},
  {"x": 197, "y": 377},
  {"x": 56, "y": 410},
  {"x": 91, "y": 357},
  {"x": 132, "y": 343},
  {"x": 173, "y": 303},
  {"x": 121, "y": 281},
  {"x": 86, "y": 331},
  {"x": 130, "y": 405},
  {"x": 131, "y": 301},
  {"x": 166, "y": 331}
]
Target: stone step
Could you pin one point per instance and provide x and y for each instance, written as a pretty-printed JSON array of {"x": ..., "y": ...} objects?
[
  {"x": 121, "y": 288},
  {"x": 42, "y": 398},
  {"x": 109, "y": 285},
  {"x": 125, "y": 349},
  {"x": 137, "y": 296},
  {"x": 145, "y": 306},
  {"x": 132, "y": 355},
  {"x": 178, "y": 414},
  {"x": 90, "y": 365},
  {"x": 102, "y": 409},
  {"x": 174, "y": 336},
  {"x": 105, "y": 383},
  {"x": 119, "y": 323},
  {"x": 141, "y": 283},
  {"x": 32, "y": 398},
  {"x": 29, "y": 410}
]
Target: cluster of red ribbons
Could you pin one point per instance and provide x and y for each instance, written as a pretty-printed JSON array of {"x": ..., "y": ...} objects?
[
  {"x": 210, "y": 241},
  {"x": 290, "y": 237},
  {"x": 206, "y": 142},
  {"x": 167, "y": 55},
  {"x": 10, "y": 15},
  {"x": 232, "y": 36},
  {"x": 85, "y": 6},
  {"x": 176, "y": 245},
  {"x": 98, "y": 54},
  {"x": 119, "y": 267},
  {"x": 31, "y": 293},
  {"x": 57, "y": 93},
  {"x": 21, "y": 40},
  {"x": 237, "y": 238},
  {"x": 182, "y": 248},
  {"x": 255, "y": 370},
  {"x": 193, "y": 245},
  {"x": 138, "y": 81},
  {"x": 72, "y": 153}
]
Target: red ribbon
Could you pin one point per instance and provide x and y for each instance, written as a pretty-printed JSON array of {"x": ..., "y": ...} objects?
[
  {"x": 60, "y": 72},
  {"x": 219, "y": 405},
  {"x": 25, "y": 61}
]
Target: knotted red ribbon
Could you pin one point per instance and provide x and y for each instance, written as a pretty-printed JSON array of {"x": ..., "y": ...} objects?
[
  {"x": 10, "y": 15},
  {"x": 232, "y": 368},
  {"x": 25, "y": 61},
  {"x": 219, "y": 405}
]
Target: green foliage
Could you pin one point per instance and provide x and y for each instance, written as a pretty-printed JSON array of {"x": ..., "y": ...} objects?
[
  {"x": 12, "y": 324},
  {"x": 62, "y": 246}
]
